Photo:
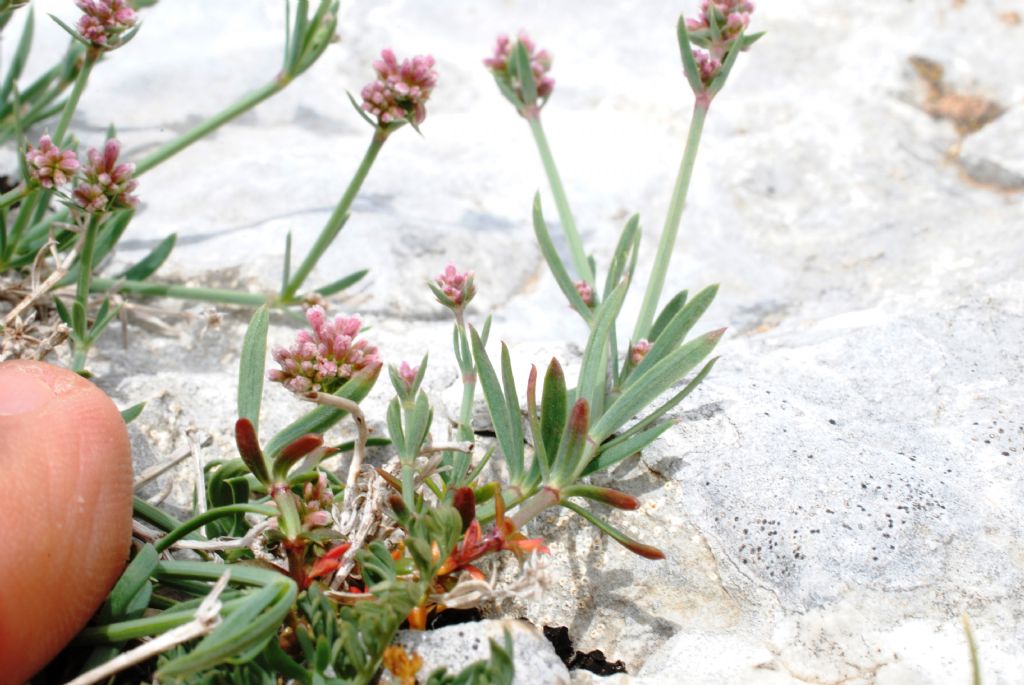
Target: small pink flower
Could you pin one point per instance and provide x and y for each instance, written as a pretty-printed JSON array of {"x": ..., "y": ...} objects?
[
  {"x": 49, "y": 166},
  {"x": 104, "y": 21},
  {"x": 540, "y": 65},
  {"x": 324, "y": 358},
  {"x": 408, "y": 373},
  {"x": 106, "y": 184},
  {"x": 401, "y": 89},
  {"x": 586, "y": 293},
  {"x": 730, "y": 17},
  {"x": 707, "y": 66},
  {"x": 639, "y": 351},
  {"x": 455, "y": 290}
]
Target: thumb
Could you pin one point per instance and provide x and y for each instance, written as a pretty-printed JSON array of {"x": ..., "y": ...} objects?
[{"x": 66, "y": 510}]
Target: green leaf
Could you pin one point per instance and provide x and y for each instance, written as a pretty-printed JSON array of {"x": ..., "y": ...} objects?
[
  {"x": 394, "y": 420},
  {"x": 614, "y": 533},
  {"x": 343, "y": 283},
  {"x": 593, "y": 377},
  {"x": 550, "y": 254},
  {"x": 686, "y": 52},
  {"x": 131, "y": 582},
  {"x": 322, "y": 418},
  {"x": 621, "y": 255},
  {"x": 496, "y": 403},
  {"x": 730, "y": 60},
  {"x": 132, "y": 412},
  {"x": 525, "y": 73},
  {"x": 71, "y": 32},
  {"x": 103, "y": 318},
  {"x": 571, "y": 447},
  {"x": 667, "y": 314},
  {"x": 675, "y": 331},
  {"x": 554, "y": 406},
  {"x": 251, "y": 367},
  {"x": 20, "y": 55},
  {"x": 613, "y": 454},
  {"x": 78, "y": 320},
  {"x": 286, "y": 269},
  {"x": 541, "y": 465},
  {"x": 360, "y": 110},
  {"x": 645, "y": 388},
  {"x": 62, "y": 311},
  {"x": 515, "y": 460}
]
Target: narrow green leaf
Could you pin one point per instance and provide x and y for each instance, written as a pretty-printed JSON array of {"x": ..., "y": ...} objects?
[
  {"x": 78, "y": 320},
  {"x": 359, "y": 109},
  {"x": 614, "y": 533},
  {"x": 667, "y": 314},
  {"x": 131, "y": 582},
  {"x": 71, "y": 32},
  {"x": 550, "y": 254},
  {"x": 20, "y": 55},
  {"x": 343, "y": 283},
  {"x": 418, "y": 425},
  {"x": 621, "y": 255},
  {"x": 675, "y": 331},
  {"x": 524, "y": 72},
  {"x": 554, "y": 407},
  {"x": 394, "y": 421},
  {"x": 251, "y": 367},
  {"x": 613, "y": 454},
  {"x": 686, "y": 52},
  {"x": 593, "y": 379},
  {"x": 153, "y": 261},
  {"x": 286, "y": 270},
  {"x": 62, "y": 311},
  {"x": 298, "y": 36},
  {"x": 495, "y": 399},
  {"x": 568, "y": 460},
  {"x": 541, "y": 461},
  {"x": 730, "y": 59},
  {"x": 609, "y": 496},
  {"x": 515, "y": 461},
  {"x": 645, "y": 388},
  {"x": 132, "y": 412}
]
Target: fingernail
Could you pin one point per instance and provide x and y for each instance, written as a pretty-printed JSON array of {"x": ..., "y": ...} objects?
[{"x": 20, "y": 391}]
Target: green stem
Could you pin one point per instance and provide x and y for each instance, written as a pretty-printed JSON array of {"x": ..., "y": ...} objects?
[
  {"x": 579, "y": 257},
  {"x": 675, "y": 214},
  {"x": 72, "y": 103},
  {"x": 216, "y": 121},
  {"x": 197, "y": 522},
  {"x": 23, "y": 219},
  {"x": 337, "y": 218},
  {"x": 80, "y": 339},
  {"x": 181, "y": 292}
]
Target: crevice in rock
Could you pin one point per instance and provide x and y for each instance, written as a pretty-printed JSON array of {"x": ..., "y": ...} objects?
[{"x": 595, "y": 661}]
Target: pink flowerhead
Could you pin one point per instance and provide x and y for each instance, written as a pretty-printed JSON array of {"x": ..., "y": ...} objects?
[
  {"x": 586, "y": 293},
  {"x": 730, "y": 18},
  {"x": 318, "y": 495},
  {"x": 503, "y": 67},
  {"x": 48, "y": 165},
  {"x": 103, "y": 21},
  {"x": 105, "y": 183},
  {"x": 454, "y": 290},
  {"x": 401, "y": 90},
  {"x": 324, "y": 357},
  {"x": 408, "y": 374},
  {"x": 639, "y": 351},
  {"x": 707, "y": 66}
]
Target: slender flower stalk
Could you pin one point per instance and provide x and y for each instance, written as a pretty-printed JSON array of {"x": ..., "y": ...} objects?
[
  {"x": 80, "y": 339},
  {"x": 667, "y": 242}
]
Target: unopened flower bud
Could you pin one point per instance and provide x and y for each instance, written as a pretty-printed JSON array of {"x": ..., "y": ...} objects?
[
  {"x": 586, "y": 293},
  {"x": 639, "y": 351},
  {"x": 454, "y": 290},
  {"x": 503, "y": 67},
  {"x": 106, "y": 184},
  {"x": 103, "y": 22}
]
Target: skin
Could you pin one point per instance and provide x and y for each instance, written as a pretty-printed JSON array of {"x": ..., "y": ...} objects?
[{"x": 65, "y": 517}]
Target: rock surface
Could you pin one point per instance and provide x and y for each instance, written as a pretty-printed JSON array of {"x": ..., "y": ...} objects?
[
  {"x": 455, "y": 647},
  {"x": 847, "y": 482}
]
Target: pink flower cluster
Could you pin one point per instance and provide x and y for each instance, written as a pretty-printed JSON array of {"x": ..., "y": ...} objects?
[
  {"x": 408, "y": 374},
  {"x": 707, "y": 66},
  {"x": 104, "y": 20},
  {"x": 540, "y": 65},
  {"x": 457, "y": 289},
  {"x": 324, "y": 358},
  {"x": 639, "y": 351},
  {"x": 401, "y": 89},
  {"x": 49, "y": 166},
  {"x": 736, "y": 12},
  {"x": 586, "y": 293},
  {"x": 105, "y": 183},
  {"x": 318, "y": 499}
]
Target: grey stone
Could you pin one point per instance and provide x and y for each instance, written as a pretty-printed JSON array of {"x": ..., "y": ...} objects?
[{"x": 455, "y": 647}]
